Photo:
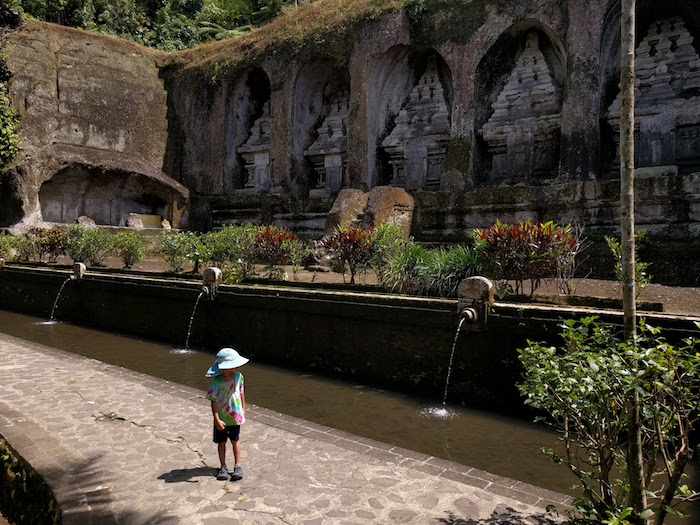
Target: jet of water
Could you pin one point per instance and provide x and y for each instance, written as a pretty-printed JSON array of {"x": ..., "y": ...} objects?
[
  {"x": 189, "y": 328},
  {"x": 55, "y": 303}
]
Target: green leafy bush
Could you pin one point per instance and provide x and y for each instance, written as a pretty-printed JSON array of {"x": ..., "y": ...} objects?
[
  {"x": 232, "y": 247},
  {"x": 6, "y": 248},
  {"x": 175, "y": 249},
  {"x": 88, "y": 245},
  {"x": 129, "y": 247},
  {"x": 615, "y": 400},
  {"x": 24, "y": 248}
]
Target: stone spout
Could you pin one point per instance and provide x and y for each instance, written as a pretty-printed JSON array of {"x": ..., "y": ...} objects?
[
  {"x": 78, "y": 271},
  {"x": 475, "y": 296},
  {"x": 211, "y": 280}
]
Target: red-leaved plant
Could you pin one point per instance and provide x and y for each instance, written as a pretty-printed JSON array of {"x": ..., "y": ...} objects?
[{"x": 350, "y": 245}]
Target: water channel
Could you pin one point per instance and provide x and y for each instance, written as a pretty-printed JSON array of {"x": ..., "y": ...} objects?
[{"x": 504, "y": 446}]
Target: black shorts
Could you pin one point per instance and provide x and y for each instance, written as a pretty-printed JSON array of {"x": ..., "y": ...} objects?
[{"x": 231, "y": 432}]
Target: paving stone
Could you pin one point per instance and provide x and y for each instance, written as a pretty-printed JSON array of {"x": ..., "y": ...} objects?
[{"x": 103, "y": 438}]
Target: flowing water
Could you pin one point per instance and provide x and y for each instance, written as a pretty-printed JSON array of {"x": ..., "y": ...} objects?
[
  {"x": 52, "y": 317},
  {"x": 505, "y": 446},
  {"x": 189, "y": 327}
]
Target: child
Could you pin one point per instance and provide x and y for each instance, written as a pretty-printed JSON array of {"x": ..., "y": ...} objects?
[{"x": 227, "y": 397}]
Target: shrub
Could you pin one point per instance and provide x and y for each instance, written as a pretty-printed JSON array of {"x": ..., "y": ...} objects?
[
  {"x": 24, "y": 248},
  {"x": 641, "y": 275},
  {"x": 175, "y": 248},
  {"x": 232, "y": 246},
  {"x": 400, "y": 272},
  {"x": 299, "y": 253},
  {"x": 350, "y": 246},
  {"x": 49, "y": 242},
  {"x": 5, "y": 245},
  {"x": 616, "y": 401},
  {"x": 199, "y": 253},
  {"x": 88, "y": 245},
  {"x": 441, "y": 270},
  {"x": 129, "y": 247},
  {"x": 524, "y": 251},
  {"x": 387, "y": 240},
  {"x": 271, "y": 245}
]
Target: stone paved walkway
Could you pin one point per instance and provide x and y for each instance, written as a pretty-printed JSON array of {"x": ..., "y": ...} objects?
[{"x": 117, "y": 446}]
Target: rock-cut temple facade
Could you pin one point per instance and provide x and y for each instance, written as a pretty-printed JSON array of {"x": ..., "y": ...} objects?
[{"x": 459, "y": 115}]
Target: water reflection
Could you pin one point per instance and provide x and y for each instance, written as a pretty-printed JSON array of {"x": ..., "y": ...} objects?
[{"x": 503, "y": 446}]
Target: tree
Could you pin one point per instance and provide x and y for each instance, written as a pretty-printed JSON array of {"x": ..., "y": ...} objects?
[{"x": 585, "y": 388}]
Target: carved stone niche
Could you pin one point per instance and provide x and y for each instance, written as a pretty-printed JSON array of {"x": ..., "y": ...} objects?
[
  {"x": 667, "y": 101},
  {"x": 523, "y": 133},
  {"x": 417, "y": 145},
  {"x": 256, "y": 153},
  {"x": 329, "y": 153}
]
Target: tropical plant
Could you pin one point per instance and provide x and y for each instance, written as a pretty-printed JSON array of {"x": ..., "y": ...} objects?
[
  {"x": 641, "y": 274},
  {"x": 442, "y": 269},
  {"x": 524, "y": 251},
  {"x": 299, "y": 253},
  {"x": 49, "y": 242},
  {"x": 129, "y": 247},
  {"x": 351, "y": 246},
  {"x": 587, "y": 389},
  {"x": 400, "y": 272},
  {"x": 89, "y": 245},
  {"x": 271, "y": 246}
]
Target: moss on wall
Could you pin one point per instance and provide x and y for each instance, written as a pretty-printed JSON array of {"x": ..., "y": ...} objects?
[
  {"x": 459, "y": 154},
  {"x": 439, "y": 21}
]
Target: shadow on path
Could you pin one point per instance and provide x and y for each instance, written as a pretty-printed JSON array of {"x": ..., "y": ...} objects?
[
  {"x": 186, "y": 474},
  {"x": 508, "y": 517}
]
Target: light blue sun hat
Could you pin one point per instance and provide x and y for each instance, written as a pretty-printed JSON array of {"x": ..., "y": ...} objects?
[{"x": 226, "y": 358}]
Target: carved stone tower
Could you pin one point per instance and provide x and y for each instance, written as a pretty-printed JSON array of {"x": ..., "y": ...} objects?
[
  {"x": 417, "y": 145},
  {"x": 667, "y": 101},
  {"x": 329, "y": 153},
  {"x": 523, "y": 133},
  {"x": 256, "y": 153}
]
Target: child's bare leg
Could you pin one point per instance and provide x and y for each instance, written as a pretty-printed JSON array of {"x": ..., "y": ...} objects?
[
  {"x": 222, "y": 453},
  {"x": 236, "y": 453}
]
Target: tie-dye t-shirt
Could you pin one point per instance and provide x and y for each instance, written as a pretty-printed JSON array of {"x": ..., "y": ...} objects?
[{"x": 227, "y": 395}]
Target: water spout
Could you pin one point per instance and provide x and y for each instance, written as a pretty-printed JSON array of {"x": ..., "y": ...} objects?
[
  {"x": 475, "y": 298},
  {"x": 58, "y": 296},
  {"x": 78, "y": 271},
  {"x": 211, "y": 279},
  {"x": 194, "y": 311}
]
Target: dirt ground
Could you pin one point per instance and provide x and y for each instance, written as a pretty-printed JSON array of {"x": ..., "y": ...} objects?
[{"x": 676, "y": 299}]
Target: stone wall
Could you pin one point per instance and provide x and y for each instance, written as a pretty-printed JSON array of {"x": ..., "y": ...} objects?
[{"x": 479, "y": 110}]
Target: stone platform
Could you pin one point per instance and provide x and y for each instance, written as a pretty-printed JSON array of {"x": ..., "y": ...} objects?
[{"x": 121, "y": 447}]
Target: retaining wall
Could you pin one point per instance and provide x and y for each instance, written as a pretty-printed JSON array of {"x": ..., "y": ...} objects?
[{"x": 392, "y": 341}]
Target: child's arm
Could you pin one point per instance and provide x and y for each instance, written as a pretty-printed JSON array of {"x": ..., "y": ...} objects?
[
  {"x": 217, "y": 420},
  {"x": 243, "y": 402}
]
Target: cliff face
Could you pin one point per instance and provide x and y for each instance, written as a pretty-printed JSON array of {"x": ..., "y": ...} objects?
[
  {"x": 480, "y": 110},
  {"x": 88, "y": 104}
]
